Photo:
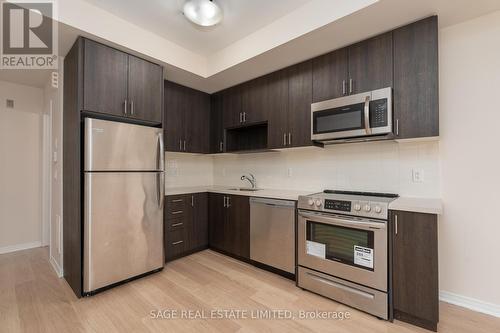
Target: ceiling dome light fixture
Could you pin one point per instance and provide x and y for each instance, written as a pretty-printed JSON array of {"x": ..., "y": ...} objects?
[{"x": 202, "y": 12}]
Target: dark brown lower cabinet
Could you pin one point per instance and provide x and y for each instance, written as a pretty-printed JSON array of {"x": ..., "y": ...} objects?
[
  {"x": 229, "y": 224},
  {"x": 186, "y": 224},
  {"x": 415, "y": 268}
]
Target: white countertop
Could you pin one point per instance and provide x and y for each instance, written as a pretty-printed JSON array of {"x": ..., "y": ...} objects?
[
  {"x": 262, "y": 193},
  {"x": 418, "y": 205}
]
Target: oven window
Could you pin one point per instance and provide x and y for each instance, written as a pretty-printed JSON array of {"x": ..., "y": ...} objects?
[
  {"x": 339, "y": 119},
  {"x": 341, "y": 243}
]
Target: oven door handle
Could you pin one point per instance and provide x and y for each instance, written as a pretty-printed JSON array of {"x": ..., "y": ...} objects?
[
  {"x": 367, "y": 115},
  {"x": 343, "y": 222}
]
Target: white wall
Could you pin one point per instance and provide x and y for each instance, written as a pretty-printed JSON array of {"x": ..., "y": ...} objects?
[
  {"x": 470, "y": 157},
  {"x": 375, "y": 166},
  {"x": 20, "y": 167}
]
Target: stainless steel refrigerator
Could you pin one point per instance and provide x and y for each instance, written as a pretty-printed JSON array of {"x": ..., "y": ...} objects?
[{"x": 123, "y": 202}]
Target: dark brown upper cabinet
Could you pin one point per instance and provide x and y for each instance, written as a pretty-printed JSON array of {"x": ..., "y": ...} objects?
[
  {"x": 358, "y": 68},
  {"x": 145, "y": 86},
  {"x": 415, "y": 268},
  {"x": 299, "y": 104},
  {"x": 416, "y": 79},
  {"x": 231, "y": 107},
  {"x": 187, "y": 113},
  {"x": 216, "y": 124},
  {"x": 120, "y": 84},
  {"x": 254, "y": 101},
  {"x": 277, "y": 105},
  {"x": 105, "y": 79},
  {"x": 370, "y": 64},
  {"x": 330, "y": 76}
]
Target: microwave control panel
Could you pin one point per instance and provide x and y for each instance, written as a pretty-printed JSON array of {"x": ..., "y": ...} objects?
[{"x": 378, "y": 113}]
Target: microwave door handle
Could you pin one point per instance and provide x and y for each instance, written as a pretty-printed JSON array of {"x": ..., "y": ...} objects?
[{"x": 367, "y": 115}]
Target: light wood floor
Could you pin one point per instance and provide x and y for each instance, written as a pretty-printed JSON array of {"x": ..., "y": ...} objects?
[{"x": 33, "y": 299}]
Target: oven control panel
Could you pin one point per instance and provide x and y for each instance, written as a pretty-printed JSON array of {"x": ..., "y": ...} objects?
[{"x": 344, "y": 206}]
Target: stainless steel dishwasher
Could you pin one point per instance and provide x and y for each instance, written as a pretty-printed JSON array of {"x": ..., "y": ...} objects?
[{"x": 272, "y": 233}]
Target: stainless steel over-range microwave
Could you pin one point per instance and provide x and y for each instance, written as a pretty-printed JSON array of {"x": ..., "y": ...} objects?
[{"x": 360, "y": 117}]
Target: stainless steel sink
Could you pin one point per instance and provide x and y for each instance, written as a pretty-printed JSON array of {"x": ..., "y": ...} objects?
[{"x": 244, "y": 189}]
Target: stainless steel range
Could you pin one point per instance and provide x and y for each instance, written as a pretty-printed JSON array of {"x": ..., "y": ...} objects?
[{"x": 342, "y": 248}]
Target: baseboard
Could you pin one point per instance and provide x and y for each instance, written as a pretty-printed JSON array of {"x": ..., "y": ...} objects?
[
  {"x": 470, "y": 303},
  {"x": 19, "y": 247},
  {"x": 56, "y": 267}
]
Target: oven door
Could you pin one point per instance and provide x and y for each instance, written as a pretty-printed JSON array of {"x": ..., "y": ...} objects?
[{"x": 349, "y": 248}]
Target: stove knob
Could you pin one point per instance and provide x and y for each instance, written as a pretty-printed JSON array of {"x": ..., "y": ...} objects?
[
  {"x": 318, "y": 203},
  {"x": 310, "y": 202},
  {"x": 378, "y": 210},
  {"x": 357, "y": 207},
  {"x": 367, "y": 208}
]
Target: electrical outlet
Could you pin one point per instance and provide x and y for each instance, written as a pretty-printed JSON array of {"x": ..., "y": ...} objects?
[
  {"x": 290, "y": 172},
  {"x": 418, "y": 175}
]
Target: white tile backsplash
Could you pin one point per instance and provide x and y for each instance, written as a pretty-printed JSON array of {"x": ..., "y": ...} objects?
[{"x": 373, "y": 166}]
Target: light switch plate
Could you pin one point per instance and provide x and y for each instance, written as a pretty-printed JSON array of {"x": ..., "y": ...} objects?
[{"x": 290, "y": 172}]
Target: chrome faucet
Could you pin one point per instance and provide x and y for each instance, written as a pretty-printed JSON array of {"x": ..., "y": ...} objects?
[{"x": 251, "y": 179}]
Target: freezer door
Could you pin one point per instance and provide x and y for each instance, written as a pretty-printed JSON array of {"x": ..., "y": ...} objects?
[
  {"x": 123, "y": 226},
  {"x": 115, "y": 146}
]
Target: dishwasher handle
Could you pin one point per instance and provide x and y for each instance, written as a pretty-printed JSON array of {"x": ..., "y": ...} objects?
[{"x": 273, "y": 202}]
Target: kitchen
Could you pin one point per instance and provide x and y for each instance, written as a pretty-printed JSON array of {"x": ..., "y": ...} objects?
[{"x": 295, "y": 191}]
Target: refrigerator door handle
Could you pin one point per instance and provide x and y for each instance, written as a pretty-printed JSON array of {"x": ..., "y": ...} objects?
[{"x": 161, "y": 166}]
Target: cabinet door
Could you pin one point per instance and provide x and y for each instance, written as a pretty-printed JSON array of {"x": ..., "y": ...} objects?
[
  {"x": 299, "y": 104},
  {"x": 415, "y": 268},
  {"x": 416, "y": 99},
  {"x": 199, "y": 225},
  {"x": 329, "y": 76},
  {"x": 277, "y": 109},
  {"x": 216, "y": 126},
  {"x": 238, "y": 226},
  {"x": 254, "y": 99},
  {"x": 231, "y": 107},
  {"x": 197, "y": 121},
  {"x": 370, "y": 64},
  {"x": 145, "y": 84},
  {"x": 175, "y": 109},
  {"x": 104, "y": 79},
  {"x": 216, "y": 221}
]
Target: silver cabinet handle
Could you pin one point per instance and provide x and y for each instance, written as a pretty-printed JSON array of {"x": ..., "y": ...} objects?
[
  {"x": 367, "y": 115},
  {"x": 177, "y": 212},
  {"x": 177, "y": 224},
  {"x": 396, "y": 224},
  {"x": 192, "y": 201},
  {"x": 132, "y": 107},
  {"x": 284, "y": 139},
  {"x": 184, "y": 145},
  {"x": 397, "y": 127},
  {"x": 177, "y": 200},
  {"x": 351, "y": 84},
  {"x": 289, "y": 138},
  {"x": 177, "y": 243},
  {"x": 228, "y": 202},
  {"x": 343, "y": 88},
  {"x": 244, "y": 117},
  {"x": 125, "y": 105},
  {"x": 180, "y": 145}
]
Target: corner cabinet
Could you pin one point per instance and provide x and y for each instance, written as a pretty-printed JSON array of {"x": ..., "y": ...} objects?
[
  {"x": 119, "y": 84},
  {"x": 229, "y": 224},
  {"x": 415, "y": 285},
  {"x": 187, "y": 118}
]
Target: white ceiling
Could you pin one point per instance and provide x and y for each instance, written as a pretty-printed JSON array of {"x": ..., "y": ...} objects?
[{"x": 165, "y": 18}]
